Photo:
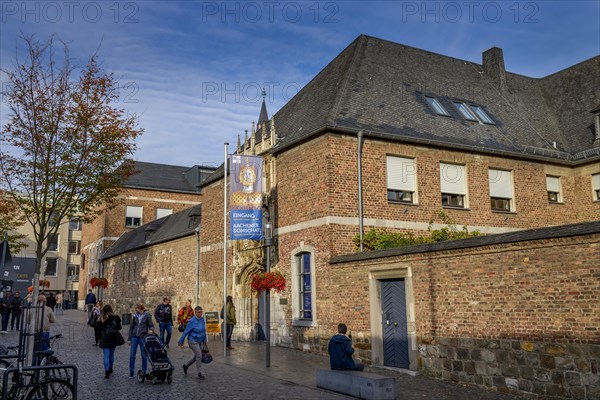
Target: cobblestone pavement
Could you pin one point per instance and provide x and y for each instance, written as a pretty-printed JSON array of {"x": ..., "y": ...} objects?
[{"x": 241, "y": 374}]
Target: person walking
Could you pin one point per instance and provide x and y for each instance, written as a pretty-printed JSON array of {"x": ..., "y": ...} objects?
[
  {"x": 59, "y": 301},
  {"x": 184, "y": 315},
  {"x": 231, "y": 321},
  {"x": 340, "y": 351},
  {"x": 90, "y": 301},
  {"x": 96, "y": 311},
  {"x": 5, "y": 308},
  {"x": 195, "y": 331},
  {"x": 51, "y": 301},
  {"x": 164, "y": 317},
  {"x": 110, "y": 337},
  {"x": 16, "y": 309},
  {"x": 141, "y": 325}
]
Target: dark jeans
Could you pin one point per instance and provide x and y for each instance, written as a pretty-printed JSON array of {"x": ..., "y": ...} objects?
[
  {"x": 5, "y": 318},
  {"x": 229, "y": 333},
  {"x": 168, "y": 327},
  {"x": 16, "y": 316}
]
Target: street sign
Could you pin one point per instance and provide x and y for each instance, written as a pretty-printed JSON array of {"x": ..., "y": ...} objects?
[{"x": 212, "y": 322}]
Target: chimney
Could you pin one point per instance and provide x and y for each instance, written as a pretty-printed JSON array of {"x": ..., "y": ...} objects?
[{"x": 493, "y": 66}]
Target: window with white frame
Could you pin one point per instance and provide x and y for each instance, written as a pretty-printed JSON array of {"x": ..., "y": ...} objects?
[
  {"x": 133, "y": 217},
  {"x": 163, "y": 212},
  {"x": 596, "y": 186},
  {"x": 553, "y": 188},
  {"x": 53, "y": 242},
  {"x": 453, "y": 184},
  {"x": 401, "y": 179},
  {"x": 51, "y": 267},
  {"x": 501, "y": 190},
  {"x": 303, "y": 286},
  {"x": 75, "y": 225},
  {"x": 74, "y": 246}
]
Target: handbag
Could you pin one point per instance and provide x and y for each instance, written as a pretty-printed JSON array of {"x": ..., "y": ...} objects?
[
  {"x": 181, "y": 327},
  {"x": 119, "y": 339},
  {"x": 92, "y": 320},
  {"x": 206, "y": 357}
]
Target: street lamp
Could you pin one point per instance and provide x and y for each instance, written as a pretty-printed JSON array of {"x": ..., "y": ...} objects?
[{"x": 268, "y": 243}]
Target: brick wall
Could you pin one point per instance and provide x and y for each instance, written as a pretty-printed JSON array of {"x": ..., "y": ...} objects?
[{"x": 516, "y": 317}]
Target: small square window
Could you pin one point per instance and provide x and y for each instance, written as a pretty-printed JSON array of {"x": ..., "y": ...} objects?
[
  {"x": 437, "y": 106},
  {"x": 74, "y": 246},
  {"x": 133, "y": 217}
]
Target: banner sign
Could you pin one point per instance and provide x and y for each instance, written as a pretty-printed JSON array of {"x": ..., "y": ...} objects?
[
  {"x": 245, "y": 188},
  {"x": 212, "y": 322}
]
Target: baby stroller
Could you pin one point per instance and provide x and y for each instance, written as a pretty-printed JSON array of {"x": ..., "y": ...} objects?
[{"x": 161, "y": 367}]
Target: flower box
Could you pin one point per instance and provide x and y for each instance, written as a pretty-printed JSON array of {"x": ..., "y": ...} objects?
[{"x": 44, "y": 283}]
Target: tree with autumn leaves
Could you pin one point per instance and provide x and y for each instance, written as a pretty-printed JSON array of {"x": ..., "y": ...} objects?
[{"x": 66, "y": 148}]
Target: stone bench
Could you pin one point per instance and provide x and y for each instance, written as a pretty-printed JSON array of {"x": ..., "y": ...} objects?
[{"x": 363, "y": 385}]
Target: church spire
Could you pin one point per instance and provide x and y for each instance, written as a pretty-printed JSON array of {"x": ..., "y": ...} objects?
[{"x": 263, "y": 117}]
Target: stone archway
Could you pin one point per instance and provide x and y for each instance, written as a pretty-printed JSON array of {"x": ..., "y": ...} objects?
[{"x": 248, "y": 259}]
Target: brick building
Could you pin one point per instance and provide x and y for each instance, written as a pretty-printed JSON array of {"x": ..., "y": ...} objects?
[
  {"x": 387, "y": 136},
  {"x": 154, "y": 191}
]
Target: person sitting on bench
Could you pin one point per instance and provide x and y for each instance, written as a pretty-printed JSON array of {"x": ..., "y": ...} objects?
[{"x": 340, "y": 351}]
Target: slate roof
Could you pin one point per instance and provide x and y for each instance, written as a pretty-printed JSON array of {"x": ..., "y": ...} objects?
[
  {"x": 579, "y": 229},
  {"x": 160, "y": 177},
  {"x": 168, "y": 228},
  {"x": 378, "y": 86}
]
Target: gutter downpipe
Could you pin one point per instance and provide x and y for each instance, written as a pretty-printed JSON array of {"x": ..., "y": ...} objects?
[
  {"x": 360, "y": 197},
  {"x": 197, "y": 231}
]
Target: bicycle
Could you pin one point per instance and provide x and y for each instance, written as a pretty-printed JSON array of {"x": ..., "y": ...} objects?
[
  {"x": 50, "y": 380},
  {"x": 28, "y": 384}
]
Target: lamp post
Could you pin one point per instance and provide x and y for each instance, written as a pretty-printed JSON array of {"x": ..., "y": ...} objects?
[{"x": 268, "y": 244}]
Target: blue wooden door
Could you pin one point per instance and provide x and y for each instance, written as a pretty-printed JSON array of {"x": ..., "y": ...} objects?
[{"x": 395, "y": 330}]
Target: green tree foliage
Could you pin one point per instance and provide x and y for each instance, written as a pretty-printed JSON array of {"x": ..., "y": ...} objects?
[
  {"x": 378, "y": 239},
  {"x": 65, "y": 149}
]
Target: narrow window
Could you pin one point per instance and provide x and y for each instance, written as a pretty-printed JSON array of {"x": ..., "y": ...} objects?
[
  {"x": 133, "y": 217},
  {"x": 51, "y": 267},
  {"x": 553, "y": 188},
  {"x": 501, "y": 190},
  {"x": 305, "y": 286},
  {"x": 482, "y": 115},
  {"x": 401, "y": 180},
  {"x": 465, "y": 111},
  {"x": 437, "y": 106},
  {"x": 596, "y": 186},
  {"x": 53, "y": 242},
  {"x": 75, "y": 225},
  {"x": 453, "y": 183}
]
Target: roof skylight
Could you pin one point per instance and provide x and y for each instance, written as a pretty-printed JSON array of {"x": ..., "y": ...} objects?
[{"x": 437, "y": 106}]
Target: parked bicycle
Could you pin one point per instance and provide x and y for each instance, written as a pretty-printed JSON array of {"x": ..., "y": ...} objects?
[{"x": 50, "y": 380}]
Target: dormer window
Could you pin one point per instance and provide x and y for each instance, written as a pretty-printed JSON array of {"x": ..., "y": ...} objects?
[{"x": 437, "y": 106}]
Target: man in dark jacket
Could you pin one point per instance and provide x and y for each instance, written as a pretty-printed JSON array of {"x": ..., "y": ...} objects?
[
  {"x": 16, "y": 308},
  {"x": 5, "y": 308},
  {"x": 164, "y": 316},
  {"x": 340, "y": 351},
  {"x": 51, "y": 301},
  {"x": 90, "y": 302}
]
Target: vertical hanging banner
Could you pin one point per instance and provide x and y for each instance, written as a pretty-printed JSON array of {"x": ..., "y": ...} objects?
[{"x": 245, "y": 186}]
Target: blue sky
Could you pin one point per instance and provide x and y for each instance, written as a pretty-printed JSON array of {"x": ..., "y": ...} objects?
[{"x": 193, "y": 70}]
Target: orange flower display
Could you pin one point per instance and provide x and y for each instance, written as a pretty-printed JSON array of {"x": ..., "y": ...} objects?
[
  {"x": 44, "y": 283},
  {"x": 99, "y": 282}
]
